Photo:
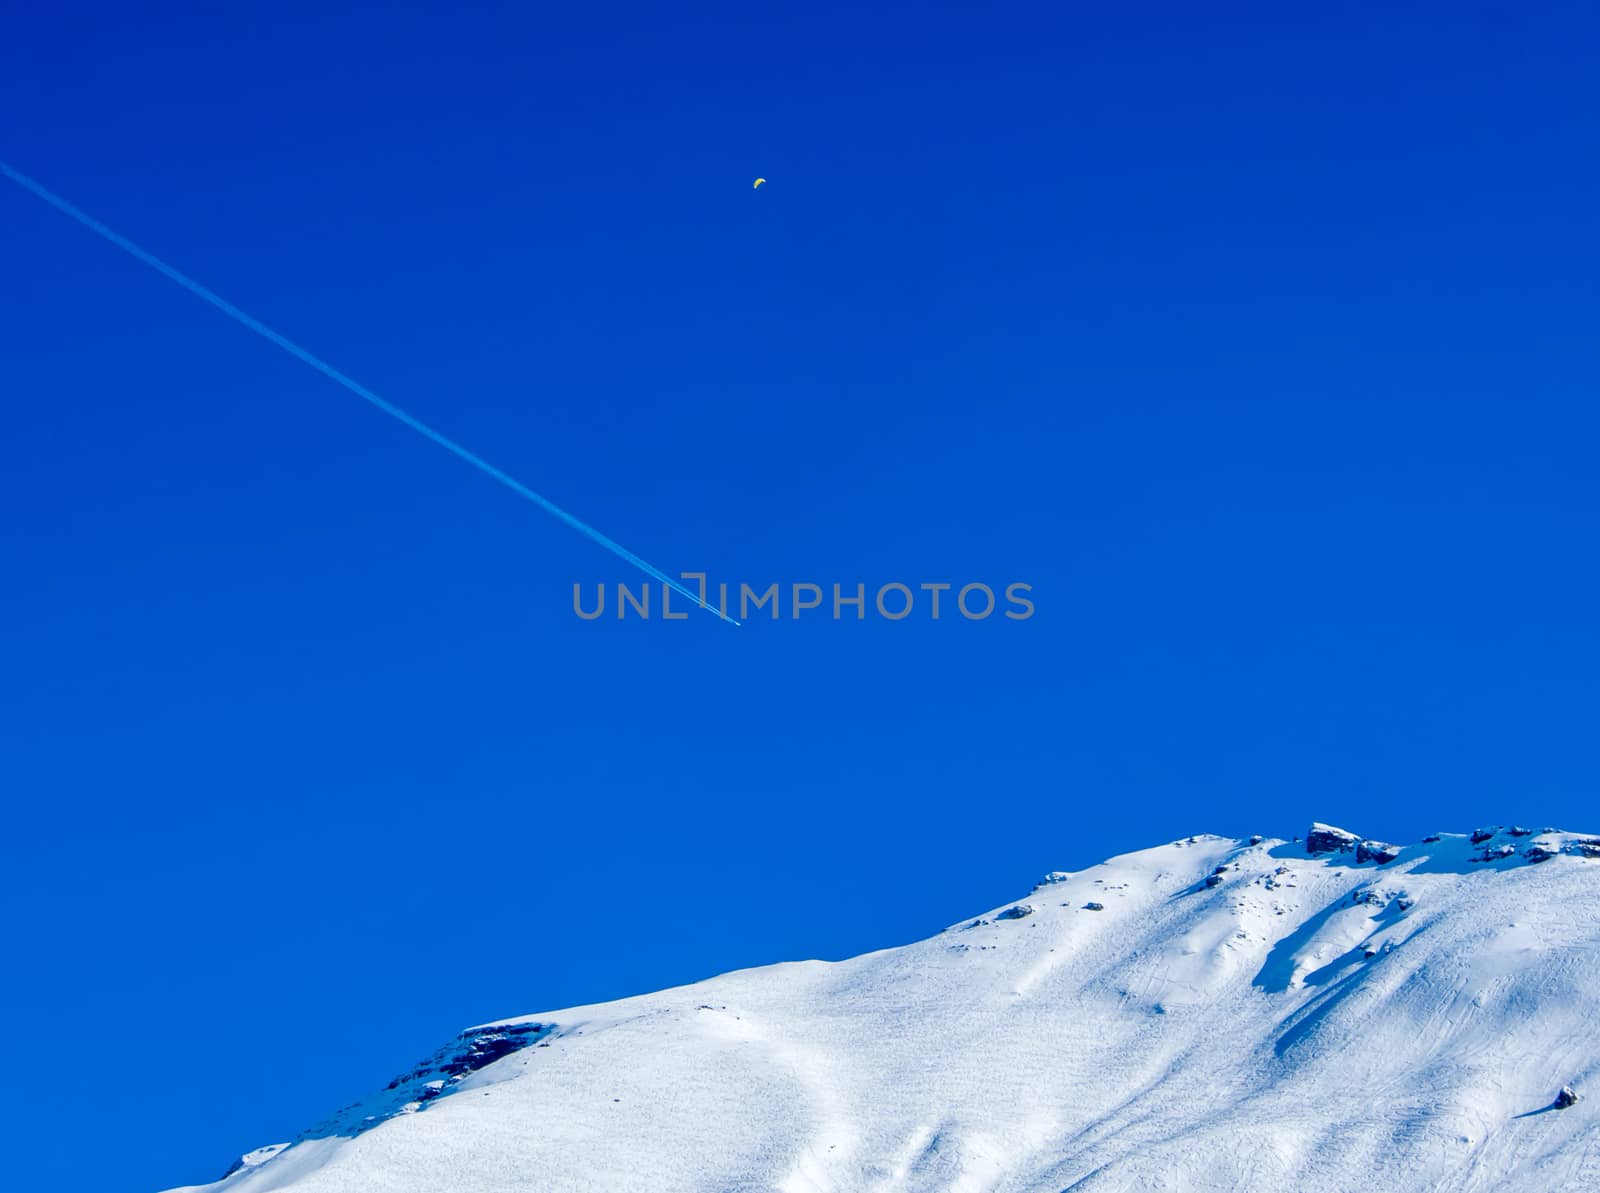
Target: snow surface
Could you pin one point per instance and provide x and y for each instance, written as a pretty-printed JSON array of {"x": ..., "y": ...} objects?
[{"x": 1300, "y": 1023}]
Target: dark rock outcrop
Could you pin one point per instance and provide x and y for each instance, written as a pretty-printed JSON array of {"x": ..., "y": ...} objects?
[
  {"x": 1015, "y": 913},
  {"x": 1567, "y": 1098},
  {"x": 473, "y": 1049},
  {"x": 1376, "y": 851},
  {"x": 437, "y": 1077},
  {"x": 1324, "y": 838}
]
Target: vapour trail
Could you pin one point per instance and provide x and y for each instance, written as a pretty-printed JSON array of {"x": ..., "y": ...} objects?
[{"x": 355, "y": 387}]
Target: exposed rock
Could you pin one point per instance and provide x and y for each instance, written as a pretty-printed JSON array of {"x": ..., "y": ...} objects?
[
  {"x": 1516, "y": 830},
  {"x": 1256, "y": 839},
  {"x": 1094, "y": 906},
  {"x": 1431, "y": 839},
  {"x": 472, "y": 1050},
  {"x": 1015, "y": 913},
  {"x": 1567, "y": 1098},
  {"x": 1324, "y": 838},
  {"x": 254, "y": 1159},
  {"x": 1213, "y": 880},
  {"x": 438, "y": 1076},
  {"x": 1480, "y": 835},
  {"x": 1589, "y": 848},
  {"x": 1538, "y": 853},
  {"x": 1052, "y": 878},
  {"x": 1376, "y": 851}
]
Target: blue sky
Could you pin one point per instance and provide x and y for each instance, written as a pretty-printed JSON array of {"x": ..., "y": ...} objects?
[{"x": 1261, "y": 343}]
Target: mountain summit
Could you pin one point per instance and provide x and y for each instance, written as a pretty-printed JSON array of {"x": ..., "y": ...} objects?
[{"x": 1321, "y": 1015}]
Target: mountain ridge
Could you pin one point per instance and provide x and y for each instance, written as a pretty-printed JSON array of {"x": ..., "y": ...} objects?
[{"x": 1209, "y": 1014}]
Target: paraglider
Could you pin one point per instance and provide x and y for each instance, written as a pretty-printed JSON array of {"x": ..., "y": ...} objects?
[{"x": 759, "y": 181}]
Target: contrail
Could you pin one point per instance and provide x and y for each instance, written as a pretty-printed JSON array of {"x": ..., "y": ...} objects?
[{"x": 355, "y": 387}]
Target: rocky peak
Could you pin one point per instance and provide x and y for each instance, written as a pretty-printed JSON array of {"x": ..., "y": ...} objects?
[{"x": 1325, "y": 838}]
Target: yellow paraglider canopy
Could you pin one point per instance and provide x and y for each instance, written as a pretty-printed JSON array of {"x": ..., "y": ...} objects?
[{"x": 759, "y": 181}]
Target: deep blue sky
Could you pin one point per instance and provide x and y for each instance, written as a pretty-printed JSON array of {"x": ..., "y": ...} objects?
[{"x": 1261, "y": 343}]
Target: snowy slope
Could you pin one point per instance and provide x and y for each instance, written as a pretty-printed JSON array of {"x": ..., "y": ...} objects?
[{"x": 1234, "y": 1016}]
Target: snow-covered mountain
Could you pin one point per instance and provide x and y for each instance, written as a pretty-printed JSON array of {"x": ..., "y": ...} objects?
[{"x": 1326, "y": 1014}]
